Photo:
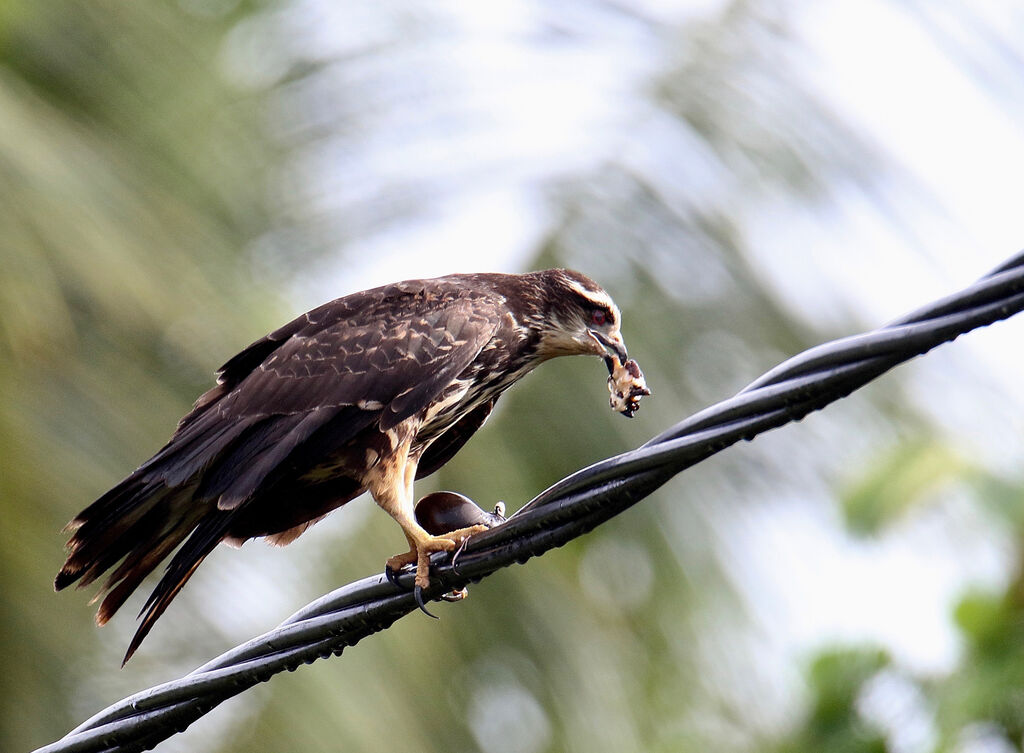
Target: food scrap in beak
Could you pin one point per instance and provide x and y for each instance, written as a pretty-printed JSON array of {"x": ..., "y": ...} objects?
[{"x": 626, "y": 384}]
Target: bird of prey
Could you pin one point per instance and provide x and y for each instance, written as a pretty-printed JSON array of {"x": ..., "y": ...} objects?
[{"x": 367, "y": 392}]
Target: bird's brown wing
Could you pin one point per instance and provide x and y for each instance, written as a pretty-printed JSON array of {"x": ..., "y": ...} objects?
[
  {"x": 383, "y": 370},
  {"x": 379, "y": 356}
]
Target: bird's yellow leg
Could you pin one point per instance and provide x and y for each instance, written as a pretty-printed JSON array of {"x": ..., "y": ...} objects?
[{"x": 391, "y": 484}]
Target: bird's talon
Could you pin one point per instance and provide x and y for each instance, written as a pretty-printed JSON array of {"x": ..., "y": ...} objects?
[{"x": 417, "y": 593}]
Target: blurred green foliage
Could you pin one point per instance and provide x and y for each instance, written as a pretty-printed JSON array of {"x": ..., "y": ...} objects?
[
  {"x": 127, "y": 194},
  {"x": 901, "y": 481},
  {"x": 990, "y": 683},
  {"x": 834, "y": 723}
]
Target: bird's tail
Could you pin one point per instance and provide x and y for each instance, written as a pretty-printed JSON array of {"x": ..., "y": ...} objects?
[{"x": 141, "y": 521}]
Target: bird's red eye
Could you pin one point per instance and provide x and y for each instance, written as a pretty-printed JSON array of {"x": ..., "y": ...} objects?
[{"x": 598, "y": 317}]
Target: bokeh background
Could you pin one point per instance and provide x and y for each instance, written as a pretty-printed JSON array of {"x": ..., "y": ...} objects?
[{"x": 748, "y": 178}]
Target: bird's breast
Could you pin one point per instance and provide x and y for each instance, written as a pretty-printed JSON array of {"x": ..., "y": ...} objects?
[
  {"x": 474, "y": 387},
  {"x": 443, "y": 413}
]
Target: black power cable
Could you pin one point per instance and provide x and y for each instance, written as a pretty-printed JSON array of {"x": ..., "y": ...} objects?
[{"x": 564, "y": 511}]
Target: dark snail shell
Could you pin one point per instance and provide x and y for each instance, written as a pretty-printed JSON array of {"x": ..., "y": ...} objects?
[{"x": 442, "y": 512}]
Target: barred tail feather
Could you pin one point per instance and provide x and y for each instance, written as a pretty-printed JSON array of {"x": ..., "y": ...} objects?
[
  {"x": 137, "y": 523},
  {"x": 187, "y": 498},
  {"x": 192, "y": 553},
  {"x": 111, "y": 527}
]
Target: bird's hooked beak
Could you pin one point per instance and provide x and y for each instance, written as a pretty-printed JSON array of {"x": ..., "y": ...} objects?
[{"x": 612, "y": 344}]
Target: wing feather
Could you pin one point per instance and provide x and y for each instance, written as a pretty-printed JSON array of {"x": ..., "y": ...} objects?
[
  {"x": 383, "y": 361},
  {"x": 401, "y": 357}
]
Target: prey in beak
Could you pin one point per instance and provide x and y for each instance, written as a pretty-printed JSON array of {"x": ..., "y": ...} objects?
[{"x": 626, "y": 382}]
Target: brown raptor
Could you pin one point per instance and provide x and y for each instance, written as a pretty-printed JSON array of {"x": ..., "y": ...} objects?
[{"x": 367, "y": 392}]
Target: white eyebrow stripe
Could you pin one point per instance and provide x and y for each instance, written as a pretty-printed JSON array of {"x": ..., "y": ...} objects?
[{"x": 598, "y": 298}]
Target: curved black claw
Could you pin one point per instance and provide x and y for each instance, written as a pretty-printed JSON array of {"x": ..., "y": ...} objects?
[
  {"x": 391, "y": 576},
  {"x": 417, "y": 593}
]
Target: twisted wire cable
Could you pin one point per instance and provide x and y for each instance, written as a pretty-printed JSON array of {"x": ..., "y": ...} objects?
[{"x": 564, "y": 511}]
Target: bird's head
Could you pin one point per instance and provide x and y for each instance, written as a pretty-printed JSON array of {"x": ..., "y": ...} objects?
[{"x": 579, "y": 318}]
